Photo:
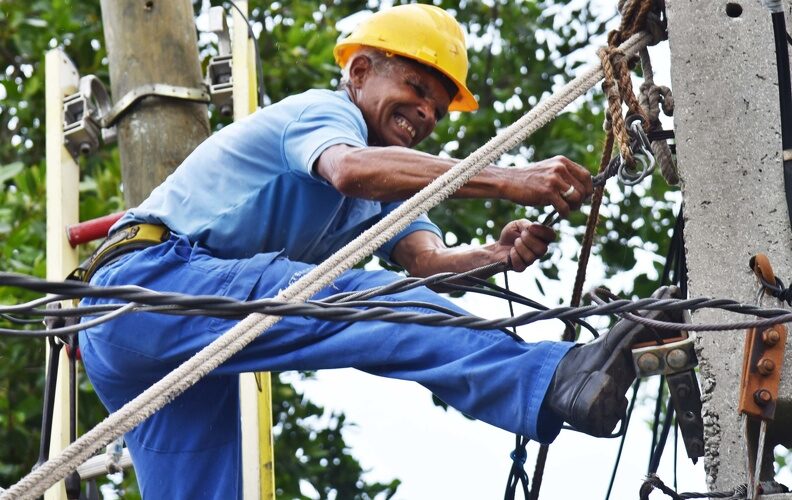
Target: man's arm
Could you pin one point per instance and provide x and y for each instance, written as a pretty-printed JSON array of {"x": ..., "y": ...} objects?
[
  {"x": 395, "y": 173},
  {"x": 423, "y": 253}
]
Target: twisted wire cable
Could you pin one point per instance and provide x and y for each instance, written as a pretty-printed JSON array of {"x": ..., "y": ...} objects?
[{"x": 143, "y": 300}]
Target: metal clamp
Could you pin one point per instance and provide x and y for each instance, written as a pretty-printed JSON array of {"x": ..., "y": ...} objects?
[
  {"x": 82, "y": 114},
  {"x": 152, "y": 90},
  {"x": 89, "y": 115},
  {"x": 676, "y": 359},
  {"x": 218, "y": 72},
  {"x": 642, "y": 149},
  {"x": 763, "y": 357},
  {"x": 665, "y": 359}
]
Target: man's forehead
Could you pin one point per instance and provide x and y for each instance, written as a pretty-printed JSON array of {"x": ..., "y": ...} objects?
[{"x": 418, "y": 69}]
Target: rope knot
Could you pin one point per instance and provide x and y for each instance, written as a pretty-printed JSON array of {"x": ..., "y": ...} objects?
[{"x": 519, "y": 456}]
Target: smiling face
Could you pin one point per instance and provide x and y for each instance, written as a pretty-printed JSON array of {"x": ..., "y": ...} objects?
[{"x": 401, "y": 101}]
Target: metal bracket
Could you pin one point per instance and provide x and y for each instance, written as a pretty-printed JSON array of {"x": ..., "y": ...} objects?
[
  {"x": 89, "y": 114},
  {"x": 665, "y": 359},
  {"x": 218, "y": 71},
  {"x": 676, "y": 359},
  {"x": 761, "y": 373},
  {"x": 763, "y": 357},
  {"x": 686, "y": 399},
  {"x": 151, "y": 90}
]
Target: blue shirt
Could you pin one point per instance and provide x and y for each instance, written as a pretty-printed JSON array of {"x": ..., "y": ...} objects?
[{"x": 250, "y": 188}]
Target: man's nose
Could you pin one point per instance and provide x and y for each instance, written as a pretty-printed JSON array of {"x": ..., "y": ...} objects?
[{"x": 426, "y": 113}]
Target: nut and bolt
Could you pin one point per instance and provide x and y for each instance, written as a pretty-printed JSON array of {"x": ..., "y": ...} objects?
[
  {"x": 683, "y": 391},
  {"x": 765, "y": 366},
  {"x": 648, "y": 362},
  {"x": 762, "y": 397},
  {"x": 677, "y": 358},
  {"x": 771, "y": 337}
]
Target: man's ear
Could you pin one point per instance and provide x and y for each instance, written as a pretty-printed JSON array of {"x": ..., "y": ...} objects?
[{"x": 359, "y": 69}]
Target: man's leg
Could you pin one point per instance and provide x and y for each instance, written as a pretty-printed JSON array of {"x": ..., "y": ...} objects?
[{"x": 485, "y": 374}]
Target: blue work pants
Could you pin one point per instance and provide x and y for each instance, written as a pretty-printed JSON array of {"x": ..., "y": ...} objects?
[{"x": 191, "y": 447}]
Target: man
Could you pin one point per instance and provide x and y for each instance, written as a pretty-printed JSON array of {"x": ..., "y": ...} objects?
[{"x": 265, "y": 199}]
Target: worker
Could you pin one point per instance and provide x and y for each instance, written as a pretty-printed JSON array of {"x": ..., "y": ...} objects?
[{"x": 265, "y": 199}]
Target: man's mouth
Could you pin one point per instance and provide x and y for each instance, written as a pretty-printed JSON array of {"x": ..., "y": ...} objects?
[{"x": 405, "y": 125}]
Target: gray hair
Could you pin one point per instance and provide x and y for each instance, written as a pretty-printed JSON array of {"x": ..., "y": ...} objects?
[{"x": 380, "y": 61}]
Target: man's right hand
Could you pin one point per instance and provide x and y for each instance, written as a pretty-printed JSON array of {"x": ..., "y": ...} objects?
[{"x": 557, "y": 181}]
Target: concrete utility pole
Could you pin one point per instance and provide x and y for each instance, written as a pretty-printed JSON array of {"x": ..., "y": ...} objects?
[
  {"x": 153, "y": 42},
  {"x": 728, "y": 137}
]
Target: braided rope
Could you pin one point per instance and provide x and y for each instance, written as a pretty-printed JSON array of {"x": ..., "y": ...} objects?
[
  {"x": 232, "y": 341},
  {"x": 619, "y": 90}
]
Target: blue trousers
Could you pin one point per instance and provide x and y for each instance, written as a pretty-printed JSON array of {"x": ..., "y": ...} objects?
[{"x": 191, "y": 447}]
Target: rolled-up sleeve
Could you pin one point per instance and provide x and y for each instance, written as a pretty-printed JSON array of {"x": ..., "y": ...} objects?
[{"x": 317, "y": 128}]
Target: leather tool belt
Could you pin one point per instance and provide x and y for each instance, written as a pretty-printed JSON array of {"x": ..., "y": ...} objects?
[{"x": 122, "y": 241}]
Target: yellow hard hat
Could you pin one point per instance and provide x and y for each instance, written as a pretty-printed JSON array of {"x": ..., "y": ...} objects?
[{"x": 424, "y": 33}]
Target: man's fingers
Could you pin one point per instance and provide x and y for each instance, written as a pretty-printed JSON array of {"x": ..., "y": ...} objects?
[
  {"x": 531, "y": 245},
  {"x": 580, "y": 173},
  {"x": 573, "y": 192},
  {"x": 544, "y": 233},
  {"x": 521, "y": 255},
  {"x": 560, "y": 204},
  {"x": 577, "y": 177}
]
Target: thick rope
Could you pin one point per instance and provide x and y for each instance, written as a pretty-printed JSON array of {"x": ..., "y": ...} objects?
[
  {"x": 619, "y": 91},
  {"x": 591, "y": 227},
  {"x": 577, "y": 291},
  {"x": 210, "y": 357},
  {"x": 652, "y": 98}
]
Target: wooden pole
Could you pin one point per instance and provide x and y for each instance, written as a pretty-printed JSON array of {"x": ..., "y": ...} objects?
[
  {"x": 150, "y": 42},
  {"x": 63, "y": 177},
  {"x": 255, "y": 390}
]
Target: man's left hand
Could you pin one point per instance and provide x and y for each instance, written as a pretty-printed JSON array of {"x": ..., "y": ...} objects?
[{"x": 523, "y": 242}]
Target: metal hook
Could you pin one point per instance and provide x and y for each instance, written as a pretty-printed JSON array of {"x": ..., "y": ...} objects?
[{"x": 647, "y": 160}]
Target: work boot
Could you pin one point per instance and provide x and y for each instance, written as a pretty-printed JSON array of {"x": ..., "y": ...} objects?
[{"x": 589, "y": 385}]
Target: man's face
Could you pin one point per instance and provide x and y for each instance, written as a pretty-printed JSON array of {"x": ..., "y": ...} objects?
[{"x": 401, "y": 103}]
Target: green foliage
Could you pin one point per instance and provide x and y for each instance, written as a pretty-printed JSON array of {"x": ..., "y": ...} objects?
[{"x": 310, "y": 447}]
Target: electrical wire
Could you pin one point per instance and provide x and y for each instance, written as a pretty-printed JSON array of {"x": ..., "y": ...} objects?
[{"x": 143, "y": 300}]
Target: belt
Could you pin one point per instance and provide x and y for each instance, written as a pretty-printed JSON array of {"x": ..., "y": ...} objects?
[{"x": 119, "y": 243}]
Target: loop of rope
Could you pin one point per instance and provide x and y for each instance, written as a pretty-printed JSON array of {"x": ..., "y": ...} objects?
[
  {"x": 619, "y": 91},
  {"x": 652, "y": 99},
  {"x": 613, "y": 64}
]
